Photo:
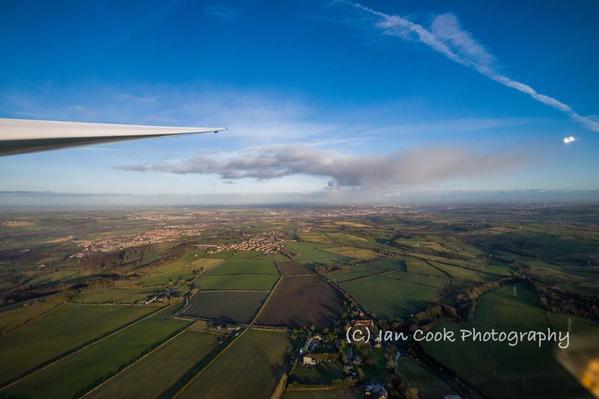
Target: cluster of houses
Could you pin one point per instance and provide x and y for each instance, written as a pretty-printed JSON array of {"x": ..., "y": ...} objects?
[
  {"x": 163, "y": 296},
  {"x": 267, "y": 242}
]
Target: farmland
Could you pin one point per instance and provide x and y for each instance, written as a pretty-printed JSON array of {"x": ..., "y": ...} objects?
[
  {"x": 172, "y": 302},
  {"x": 262, "y": 352},
  {"x": 494, "y": 367},
  {"x": 289, "y": 267},
  {"x": 300, "y": 301},
  {"x": 145, "y": 380},
  {"x": 112, "y": 295},
  {"x": 352, "y": 252},
  {"x": 258, "y": 282},
  {"x": 395, "y": 294},
  {"x": 86, "y": 368},
  {"x": 14, "y": 318},
  {"x": 245, "y": 266},
  {"x": 227, "y": 307},
  {"x": 61, "y": 331}
]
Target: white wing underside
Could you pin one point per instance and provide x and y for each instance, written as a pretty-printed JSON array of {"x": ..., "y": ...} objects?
[{"x": 19, "y": 136}]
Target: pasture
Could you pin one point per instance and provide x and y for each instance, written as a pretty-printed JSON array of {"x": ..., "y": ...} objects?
[
  {"x": 497, "y": 369},
  {"x": 244, "y": 266},
  {"x": 308, "y": 253},
  {"x": 392, "y": 295},
  {"x": 161, "y": 369},
  {"x": 302, "y": 301},
  {"x": 112, "y": 295},
  {"x": 324, "y": 373},
  {"x": 263, "y": 282},
  {"x": 353, "y": 252},
  {"x": 429, "y": 386},
  {"x": 17, "y": 317},
  {"x": 60, "y": 331},
  {"x": 76, "y": 374},
  {"x": 227, "y": 307},
  {"x": 351, "y": 272},
  {"x": 249, "y": 368}
]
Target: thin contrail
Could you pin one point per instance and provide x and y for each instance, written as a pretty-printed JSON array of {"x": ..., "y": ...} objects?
[{"x": 459, "y": 46}]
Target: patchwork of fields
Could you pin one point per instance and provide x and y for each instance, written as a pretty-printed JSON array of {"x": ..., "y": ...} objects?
[
  {"x": 212, "y": 320},
  {"x": 498, "y": 370},
  {"x": 144, "y": 380},
  {"x": 60, "y": 331},
  {"x": 77, "y": 373}
]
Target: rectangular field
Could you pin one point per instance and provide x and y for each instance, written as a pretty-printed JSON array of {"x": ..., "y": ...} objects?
[
  {"x": 248, "y": 369},
  {"x": 61, "y": 330},
  {"x": 353, "y": 252},
  {"x": 227, "y": 307},
  {"x": 244, "y": 266},
  {"x": 291, "y": 267},
  {"x": 113, "y": 295},
  {"x": 302, "y": 301},
  {"x": 154, "y": 374},
  {"x": 76, "y": 374},
  {"x": 263, "y": 282},
  {"x": 388, "y": 296}
]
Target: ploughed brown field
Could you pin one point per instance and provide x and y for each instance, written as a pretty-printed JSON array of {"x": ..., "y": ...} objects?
[
  {"x": 291, "y": 267},
  {"x": 302, "y": 301}
]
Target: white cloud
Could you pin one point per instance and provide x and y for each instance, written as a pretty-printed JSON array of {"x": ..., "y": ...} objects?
[
  {"x": 399, "y": 169},
  {"x": 447, "y": 37}
]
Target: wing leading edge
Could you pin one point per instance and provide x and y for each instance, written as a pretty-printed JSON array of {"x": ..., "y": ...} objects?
[{"x": 18, "y": 136}]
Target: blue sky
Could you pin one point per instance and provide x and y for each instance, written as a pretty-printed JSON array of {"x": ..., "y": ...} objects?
[{"x": 323, "y": 99}]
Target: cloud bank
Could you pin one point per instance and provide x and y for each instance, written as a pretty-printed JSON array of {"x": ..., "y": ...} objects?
[
  {"x": 399, "y": 169},
  {"x": 447, "y": 37}
]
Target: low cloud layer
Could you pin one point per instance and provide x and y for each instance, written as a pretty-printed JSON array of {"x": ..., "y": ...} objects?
[
  {"x": 404, "y": 168},
  {"x": 447, "y": 37}
]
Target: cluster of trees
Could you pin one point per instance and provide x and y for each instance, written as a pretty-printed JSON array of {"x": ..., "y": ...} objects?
[{"x": 555, "y": 300}]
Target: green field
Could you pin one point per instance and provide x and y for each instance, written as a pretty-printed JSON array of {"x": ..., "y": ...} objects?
[
  {"x": 113, "y": 295},
  {"x": 63, "y": 329},
  {"x": 308, "y": 252},
  {"x": 238, "y": 282},
  {"x": 232, "y": 306},
  {"x": 364, "y": 269},
  {"x": 180, "y": 269},
  {"x": 353, "y": 252},
  {"x": 155, "y": 373},
  {"x": 501, "y": 371},
  {"x": 389, "y": 295},
  {"x": 314, "y": 237},
  {"x": 324, "y": 373},
  {"x": 13, "y": 318},
  {"x": 244, "y": 266},
  {"x": 84, "y": 369},
  {"x": 248, "y": 369},
  {"x": 428, "y": 385},
  {"x": 168, "y": 278}
]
